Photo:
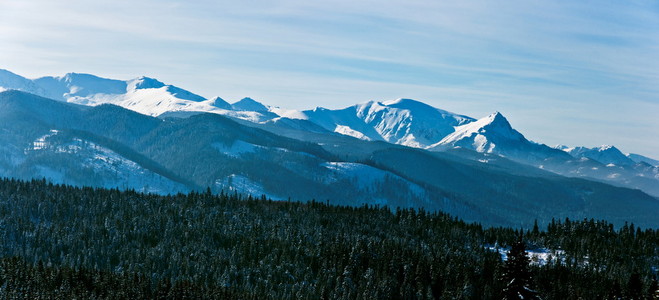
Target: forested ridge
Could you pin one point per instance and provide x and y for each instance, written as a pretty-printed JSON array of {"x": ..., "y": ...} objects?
[{"x": 70, "y": 242}]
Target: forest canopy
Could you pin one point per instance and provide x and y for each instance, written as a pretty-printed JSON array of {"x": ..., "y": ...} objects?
[{"x": 63, "y": 241}]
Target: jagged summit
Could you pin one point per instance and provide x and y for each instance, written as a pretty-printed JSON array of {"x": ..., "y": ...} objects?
[
  {"x": 497, "y": 119},
  {"x": 483, "y": 135},
  {"x": 607, "y": 147}
]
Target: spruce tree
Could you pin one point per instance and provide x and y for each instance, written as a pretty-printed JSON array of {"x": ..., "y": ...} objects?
[{"x": 516, "y": 274}]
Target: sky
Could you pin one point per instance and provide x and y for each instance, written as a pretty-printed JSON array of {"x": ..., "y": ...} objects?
[{"x": 579, "y": 73}]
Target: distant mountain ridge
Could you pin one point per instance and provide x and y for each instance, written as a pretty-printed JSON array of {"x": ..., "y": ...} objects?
[
  {"x": 605, "y": 154},
  {"x": 404, "y": 122},
  {"x": 110, "y": 146}
]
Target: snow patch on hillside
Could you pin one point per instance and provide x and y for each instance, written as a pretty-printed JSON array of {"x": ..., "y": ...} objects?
[
  {"x": 40, "y": 142},
  {"x": 288, "y": 113},
  {"x": 538, "y": 257},
  {"x": 114, "y": 170},
  {"x": 345, "y": 130}
]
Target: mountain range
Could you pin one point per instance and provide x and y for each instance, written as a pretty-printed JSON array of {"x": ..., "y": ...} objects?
[{"x": 143, "y": 134}]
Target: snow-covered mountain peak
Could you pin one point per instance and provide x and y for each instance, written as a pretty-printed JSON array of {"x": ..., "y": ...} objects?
[
  {"x": 400, "y": 101},
  {"x": 73, "y": 77},
  {"x": 563, "y": 147},
  {"x": 605, "y": 154},
  {"x": 483, "y": 135},
  {"x": 144, "y": 83},
  {"x": 401, "y": 121},
  {"x": 405, "y": 103},
  {"x": 497, "y": 119},
  {"x": 607, "y": 148},
  {"x": 82, "y": 85},
  {"x": 219, "y": 103},
  {"x": 12, "y": 81},
  {"x": 249, "y": 104}
]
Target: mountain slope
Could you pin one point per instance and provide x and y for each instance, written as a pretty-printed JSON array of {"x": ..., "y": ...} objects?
[
  {"x": 511, "y": 196},
  {"x": 39, "y": 140},
  {"x": 9, "y": 80},
  {"x": 107, "y": 144},
  {"x": 608, "y": 164},
  {"x": 248, "y": 104},
  {"x": 144, "y": 95},
  {"x": 403, "y": 121},
  {"x": 207, "y": 150},
  {"x": 643, "y": 159},
  {"x": 605, "y": 154},
  {"x": 494, "y": 134}
]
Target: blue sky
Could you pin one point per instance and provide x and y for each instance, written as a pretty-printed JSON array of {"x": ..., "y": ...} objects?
[{"x": 570, "y": 72}]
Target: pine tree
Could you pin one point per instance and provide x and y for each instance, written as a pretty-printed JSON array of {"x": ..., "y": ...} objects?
[{"x": 517, "y": 275}]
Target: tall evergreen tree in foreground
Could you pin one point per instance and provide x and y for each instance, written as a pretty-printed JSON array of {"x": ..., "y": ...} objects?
[{"x": 516, "y": 274}]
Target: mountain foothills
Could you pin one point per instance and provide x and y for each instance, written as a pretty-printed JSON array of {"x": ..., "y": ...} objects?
[{"x": 145, "y": 135}]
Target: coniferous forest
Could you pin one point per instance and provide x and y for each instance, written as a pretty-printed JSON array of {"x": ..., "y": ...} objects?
[{"x": 63, "y": 242}]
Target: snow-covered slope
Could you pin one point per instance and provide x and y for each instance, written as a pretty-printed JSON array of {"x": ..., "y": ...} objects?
[
  {"x": 144, "y": 95},
  {"x": 94, "y": 165},
  {"x": 248, "y": 104},
  {"x": 78, "y": 86},
  {"x": 403, "y": 121},
  {"x": 483, "y": 135},
  {"x": 11, "y": 81},
  {"x": 605, "y": 154},
  {"x": 607, "y": 163},
  {"x": 494, "y": 134},
  {"x": 219, "y": 103}
]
